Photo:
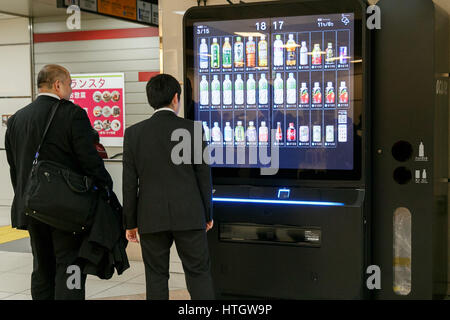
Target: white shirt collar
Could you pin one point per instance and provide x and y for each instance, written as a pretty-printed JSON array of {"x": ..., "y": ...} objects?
[
  {"x": 49, "y": 94},
  {"x": 164, "y": 109}
]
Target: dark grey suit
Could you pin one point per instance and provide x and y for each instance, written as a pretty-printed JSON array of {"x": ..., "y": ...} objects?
[{"x": 168, "y": 202}]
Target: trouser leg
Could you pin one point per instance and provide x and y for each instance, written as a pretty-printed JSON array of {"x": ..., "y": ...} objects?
[
  {"x": 70, "y": 282},
  {"x": 44, "y": 261},
  {"x": 192, "y": 247},
  {"x": 156, "y": 256}
]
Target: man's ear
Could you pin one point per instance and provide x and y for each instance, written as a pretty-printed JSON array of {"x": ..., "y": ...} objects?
[{"x": 175, "y": 99}]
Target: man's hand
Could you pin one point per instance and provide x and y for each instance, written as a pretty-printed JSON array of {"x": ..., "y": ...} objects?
[
  {"x": 132, "y": 235},
  {"x": 209, "y": 225}
]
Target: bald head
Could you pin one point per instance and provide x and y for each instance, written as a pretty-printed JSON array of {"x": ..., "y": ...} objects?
[
  {"x": 49, "y": 74},
  {"x": 54, "y": 79}
]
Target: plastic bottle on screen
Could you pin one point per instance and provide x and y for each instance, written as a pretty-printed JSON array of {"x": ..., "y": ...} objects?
[
  {"x": 291, "y": 91},
  {"x": 239, "y": 87},
  {"x": 263, "y": 90},
  {"x": 204, "y": 91},
  {"x": 263, "y": 132},
  {"x": 227, "y": 91},
  {"x": 228, "y": 132},
  {"x": 279, "y": 88},
  {"x": 215, "y": 91},
  {"x": 278, "y": 51},
  {"x": 251, "y": 90},
  {"x": 203, "y": 54},
  {"x": 251, "y": 132}
]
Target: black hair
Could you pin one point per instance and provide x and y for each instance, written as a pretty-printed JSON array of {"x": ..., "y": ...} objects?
[{"x": 161, "y": 89}]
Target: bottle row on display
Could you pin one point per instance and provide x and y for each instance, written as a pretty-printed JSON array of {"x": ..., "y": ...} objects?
[
  {"x": 288, "y": 54},
  {"x": 284, "y": 92},
  {"x": 252, "y": 135}
]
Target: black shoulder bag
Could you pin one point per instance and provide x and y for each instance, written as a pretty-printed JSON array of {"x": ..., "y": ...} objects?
[{"x": 58, "y": 196}]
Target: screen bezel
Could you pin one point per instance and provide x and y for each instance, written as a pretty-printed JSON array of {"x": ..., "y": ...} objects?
[{"x": 252, "y": 176}]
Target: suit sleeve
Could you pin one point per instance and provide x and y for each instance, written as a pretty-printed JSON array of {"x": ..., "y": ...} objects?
[
  {"x": 85, "y": 151},
  {"x": 9, "y": 154},
  {"x": 130, "y": 184},
  {"x": 204, "y": 180}
]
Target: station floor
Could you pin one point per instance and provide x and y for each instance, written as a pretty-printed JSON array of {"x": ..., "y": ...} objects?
[{"x": 16, "y": 265}]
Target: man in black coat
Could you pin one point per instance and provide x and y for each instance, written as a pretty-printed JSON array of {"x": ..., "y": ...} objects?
[
  {"x": 165, "y": 199},
  {"x": 69, "y": 141}
]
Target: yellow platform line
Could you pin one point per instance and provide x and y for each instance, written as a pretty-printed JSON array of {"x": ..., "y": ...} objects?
[{"x": 8, "y": 234}]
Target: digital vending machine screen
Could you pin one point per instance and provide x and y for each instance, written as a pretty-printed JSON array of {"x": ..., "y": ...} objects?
[{"x": 285, "y": 82}]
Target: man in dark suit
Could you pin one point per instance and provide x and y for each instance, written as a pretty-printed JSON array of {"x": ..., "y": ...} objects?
[
  {"x": 166, "y": 201},
  {"x": 70, "y": 142}
]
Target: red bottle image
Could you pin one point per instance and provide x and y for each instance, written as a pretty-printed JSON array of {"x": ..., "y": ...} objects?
[
  {"x": 291, "y": 134},
  {"x": 279, "y": 135},
  {"x": 304, "y": 95}
]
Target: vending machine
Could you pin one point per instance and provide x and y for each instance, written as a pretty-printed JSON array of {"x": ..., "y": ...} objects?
[{"x": 282, "y": 90}]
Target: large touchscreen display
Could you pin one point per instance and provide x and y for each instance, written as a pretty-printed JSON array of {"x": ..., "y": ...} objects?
[{"x": 286, "y": 82}]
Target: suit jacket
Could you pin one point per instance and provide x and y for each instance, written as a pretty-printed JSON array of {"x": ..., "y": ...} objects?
[
  {"x": 159, "y": 195},
  {"x": 69, "y": 141},
  {"x": 103, "y": 248}
]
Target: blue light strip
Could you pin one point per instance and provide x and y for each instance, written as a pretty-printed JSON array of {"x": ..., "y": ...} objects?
[{"x": 289, "y": 202}]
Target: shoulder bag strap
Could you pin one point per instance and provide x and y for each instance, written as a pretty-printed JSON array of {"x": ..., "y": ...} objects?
[{"x": 54, "y": 108}]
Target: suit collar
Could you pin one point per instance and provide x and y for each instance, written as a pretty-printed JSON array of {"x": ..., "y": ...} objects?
[{"x": 165, "y": 113}]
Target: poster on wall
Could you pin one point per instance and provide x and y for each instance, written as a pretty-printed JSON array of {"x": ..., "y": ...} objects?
[
  {"x": 119, "y": 8},
  {"x": 102, "y": 96}
]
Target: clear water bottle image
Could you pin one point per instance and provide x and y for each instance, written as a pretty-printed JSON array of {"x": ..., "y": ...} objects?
[
  {"x": 216, "y": 133},
  {"x": 251, "y": 89},
  {"x": 278, "y": 88},
  {"x": 239, "y": 134},
  {"x": 251, "y": 132},
  {"x": 228, "y": 132},
  {"x": 206, "y": 129},
  {"x": 203, "y": 54},
  {"x": 263, "y": 90},
  {"x": 215, "y": 91},
  {"x": 204, "y": 91},
  {"x": 239, "y": 93},
  {"x": 227, "y": 91},
  {"x": 291, "y": 91},
  {"x": 278, "y": 51},
  {"x": 304, "y": 54}
]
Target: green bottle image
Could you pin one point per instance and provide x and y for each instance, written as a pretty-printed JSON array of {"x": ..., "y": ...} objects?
[
  {"x": 227, "y": 53},
  {"x": 215, "y": 54}
]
